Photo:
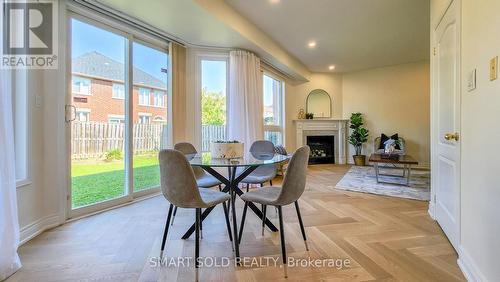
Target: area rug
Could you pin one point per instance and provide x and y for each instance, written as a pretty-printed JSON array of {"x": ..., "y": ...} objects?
[{"x": 362, "y": 179}]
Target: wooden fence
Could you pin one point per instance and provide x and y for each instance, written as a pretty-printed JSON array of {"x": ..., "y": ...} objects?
[{"x": 95, "y": 139}]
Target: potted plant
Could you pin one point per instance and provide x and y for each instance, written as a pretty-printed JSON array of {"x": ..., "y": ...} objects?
[{"x": 359, "y": 136}]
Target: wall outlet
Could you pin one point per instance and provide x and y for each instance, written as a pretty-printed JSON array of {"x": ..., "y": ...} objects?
[{"x": 494, "y": 68}]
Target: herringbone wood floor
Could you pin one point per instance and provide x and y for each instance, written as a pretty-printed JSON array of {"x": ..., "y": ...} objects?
[{"x": 385, "y": 239}]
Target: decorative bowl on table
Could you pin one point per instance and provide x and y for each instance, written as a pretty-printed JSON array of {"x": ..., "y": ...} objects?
[{"x": 227, "y": 149}]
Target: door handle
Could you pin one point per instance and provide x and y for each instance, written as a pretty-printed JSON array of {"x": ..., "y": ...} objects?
[
  {"x": 452, "y": 136},
  {"x": 71, "y": 114}
]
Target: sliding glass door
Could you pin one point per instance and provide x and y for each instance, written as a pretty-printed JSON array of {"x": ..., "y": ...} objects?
[
  {"x": 117, "y": 115},
  {"x": 149, "y": 113},
  {"x": 98, "y": 127}
]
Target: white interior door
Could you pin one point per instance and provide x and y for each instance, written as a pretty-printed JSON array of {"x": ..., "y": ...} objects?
[{"x": 446, "y": 124}]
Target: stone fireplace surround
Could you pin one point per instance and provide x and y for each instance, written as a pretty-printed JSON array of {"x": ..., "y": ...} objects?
[{"x": 328, "y": 127}]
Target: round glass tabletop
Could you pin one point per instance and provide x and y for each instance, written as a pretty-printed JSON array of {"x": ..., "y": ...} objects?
[{"x": 250, "y": 159}]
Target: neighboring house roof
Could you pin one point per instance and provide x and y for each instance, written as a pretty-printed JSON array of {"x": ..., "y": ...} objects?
[{"x": 96, "y": 64}]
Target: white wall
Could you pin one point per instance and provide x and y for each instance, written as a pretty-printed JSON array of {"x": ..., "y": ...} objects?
[
  {"x": 393, "y": 99},
  {"x": 296, "y": 95},
  {"x": 480, "y": 190}
]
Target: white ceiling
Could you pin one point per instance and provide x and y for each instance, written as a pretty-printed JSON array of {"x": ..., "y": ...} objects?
[
  {"x": 350, "y": 34},
  {"x": 183, "y": 19}
]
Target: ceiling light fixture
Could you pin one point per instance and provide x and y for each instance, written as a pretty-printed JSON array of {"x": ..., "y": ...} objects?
[
  {"x": 332, "y": 67},
  {"x": 274, "y": 1},
  {"x": 311, "y": 44}
]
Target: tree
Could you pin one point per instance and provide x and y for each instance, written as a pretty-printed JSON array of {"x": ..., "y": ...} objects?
[{"x": 213, "y": 107}]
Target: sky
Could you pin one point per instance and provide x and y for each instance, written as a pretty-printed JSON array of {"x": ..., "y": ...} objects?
[{"x": 87, "y": 38}]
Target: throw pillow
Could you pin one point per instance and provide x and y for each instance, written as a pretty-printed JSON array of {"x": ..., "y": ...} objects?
[{"x": 384, "y": 138}]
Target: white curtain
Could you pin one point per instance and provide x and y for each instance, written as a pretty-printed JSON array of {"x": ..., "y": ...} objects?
[
  {"x": 245, "y": 111},
  {"x": 9, "y": 225}
]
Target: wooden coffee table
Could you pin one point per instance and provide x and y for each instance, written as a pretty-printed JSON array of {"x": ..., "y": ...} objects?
[{"x": 406, "y": 160}]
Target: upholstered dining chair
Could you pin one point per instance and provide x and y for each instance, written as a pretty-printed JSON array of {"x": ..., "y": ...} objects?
[
  {"x": 294, "y": 184},
  {"x": 264, "y": 173},
  {"x": 178, "y": 185},
  {"x": 203, "y": 179}
]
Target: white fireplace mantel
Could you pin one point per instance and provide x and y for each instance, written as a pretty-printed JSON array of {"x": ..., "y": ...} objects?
[{"x": 329, "y": 127}]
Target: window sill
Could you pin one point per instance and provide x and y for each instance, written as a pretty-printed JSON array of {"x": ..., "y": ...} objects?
[
  {"x": 23, "y": 183},
  {"x": 118, "y": 98},
  {"x": 81, "y": 94}
]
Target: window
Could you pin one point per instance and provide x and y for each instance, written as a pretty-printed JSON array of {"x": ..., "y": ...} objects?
[
  {"x": 159, "y": 98},
  {"x": 82, "y": 115},
  {"x": 144, "y": 119},
  {"x": 143, "y": 97},
  {"x": 118, "y": 91},
  {"x": 17, "y": 84},
  {"x": 213, "y": 101},
  {"x": 80, "y": 85},
  {"x": 273, "y": 109}
]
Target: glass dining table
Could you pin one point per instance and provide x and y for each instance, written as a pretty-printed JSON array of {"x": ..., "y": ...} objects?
[{"x": 237, "y": 170}]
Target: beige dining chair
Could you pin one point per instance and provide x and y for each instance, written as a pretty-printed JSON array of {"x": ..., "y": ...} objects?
[
  {"x": 294, "y": 184},
  {"x": 203, "y": 179},
  {"x": 179, "y": 187}
]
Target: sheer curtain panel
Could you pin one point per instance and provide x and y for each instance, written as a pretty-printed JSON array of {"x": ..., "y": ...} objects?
[
  {"x": 9, "y": 225},
  {"x": 245, "y": 109}
]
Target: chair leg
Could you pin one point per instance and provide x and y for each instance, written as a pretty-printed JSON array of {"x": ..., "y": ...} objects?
[
  {"x": 228, "y": 224},
  {"x": 243, "y": 221},
  {"x": 173, "y": 217},
  {"x": 271, "y": 182},
  {"x": 165, "y": 232},
  {"x": 248, "y": 186},
  {"x": 282, "y": 237},
  {"x": 197, "y": 243},
  {"x": 302, "y": 229},
  {"x": 261, "y": 185},
  {"x": 264, "y": 208},
  {"x": 220, "y": 187},
  {"x": 201, "y": 228}
]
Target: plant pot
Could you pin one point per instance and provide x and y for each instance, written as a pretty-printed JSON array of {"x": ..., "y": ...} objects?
[{"x": 359, "y": 160}]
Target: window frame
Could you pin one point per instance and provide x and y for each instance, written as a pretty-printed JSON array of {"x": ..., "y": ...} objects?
[
  {"x": 139, "y": 103},
  {"x": 122, "y": 97},
  {"x": 281, "y": 126},
  {"x": 80, "y": 93},
  {"x": 200, "y": 56},
  {"x": 163, "y": 95}
]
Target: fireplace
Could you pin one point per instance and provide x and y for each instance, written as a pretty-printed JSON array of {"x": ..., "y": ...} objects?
[{"x": 322, "y": 149}]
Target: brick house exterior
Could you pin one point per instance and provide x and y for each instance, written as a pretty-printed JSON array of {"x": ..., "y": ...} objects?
[{"x": 98, "y": 91}]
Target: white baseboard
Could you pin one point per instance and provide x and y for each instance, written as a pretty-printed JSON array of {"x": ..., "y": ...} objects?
[
  {"x": 468, "y": 267},
  {"x": 431, "y": 210},
  {"x": 33, "y": 229}
]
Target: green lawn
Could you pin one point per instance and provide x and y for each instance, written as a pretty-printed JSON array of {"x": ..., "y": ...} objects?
[{"x": 97, "y": 181}]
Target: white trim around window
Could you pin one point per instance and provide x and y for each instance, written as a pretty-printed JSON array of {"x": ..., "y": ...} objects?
[
  {"x": 144, "y": 96},
  {"x": 81, "y": 85},
  {"x": 118, "y": 91},
  {"x": 278, "y": 127}
]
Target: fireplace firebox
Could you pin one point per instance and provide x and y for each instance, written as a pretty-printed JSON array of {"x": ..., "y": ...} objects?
[{"x": 322, "y": 149}]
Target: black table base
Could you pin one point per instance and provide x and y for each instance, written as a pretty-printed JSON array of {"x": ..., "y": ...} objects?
[{"x": 231, "y": 186}]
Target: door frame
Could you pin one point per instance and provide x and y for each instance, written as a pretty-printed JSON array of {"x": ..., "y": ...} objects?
[
  {"x": 75, "y": 12},
  {"x": 435, "y": 135}
]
